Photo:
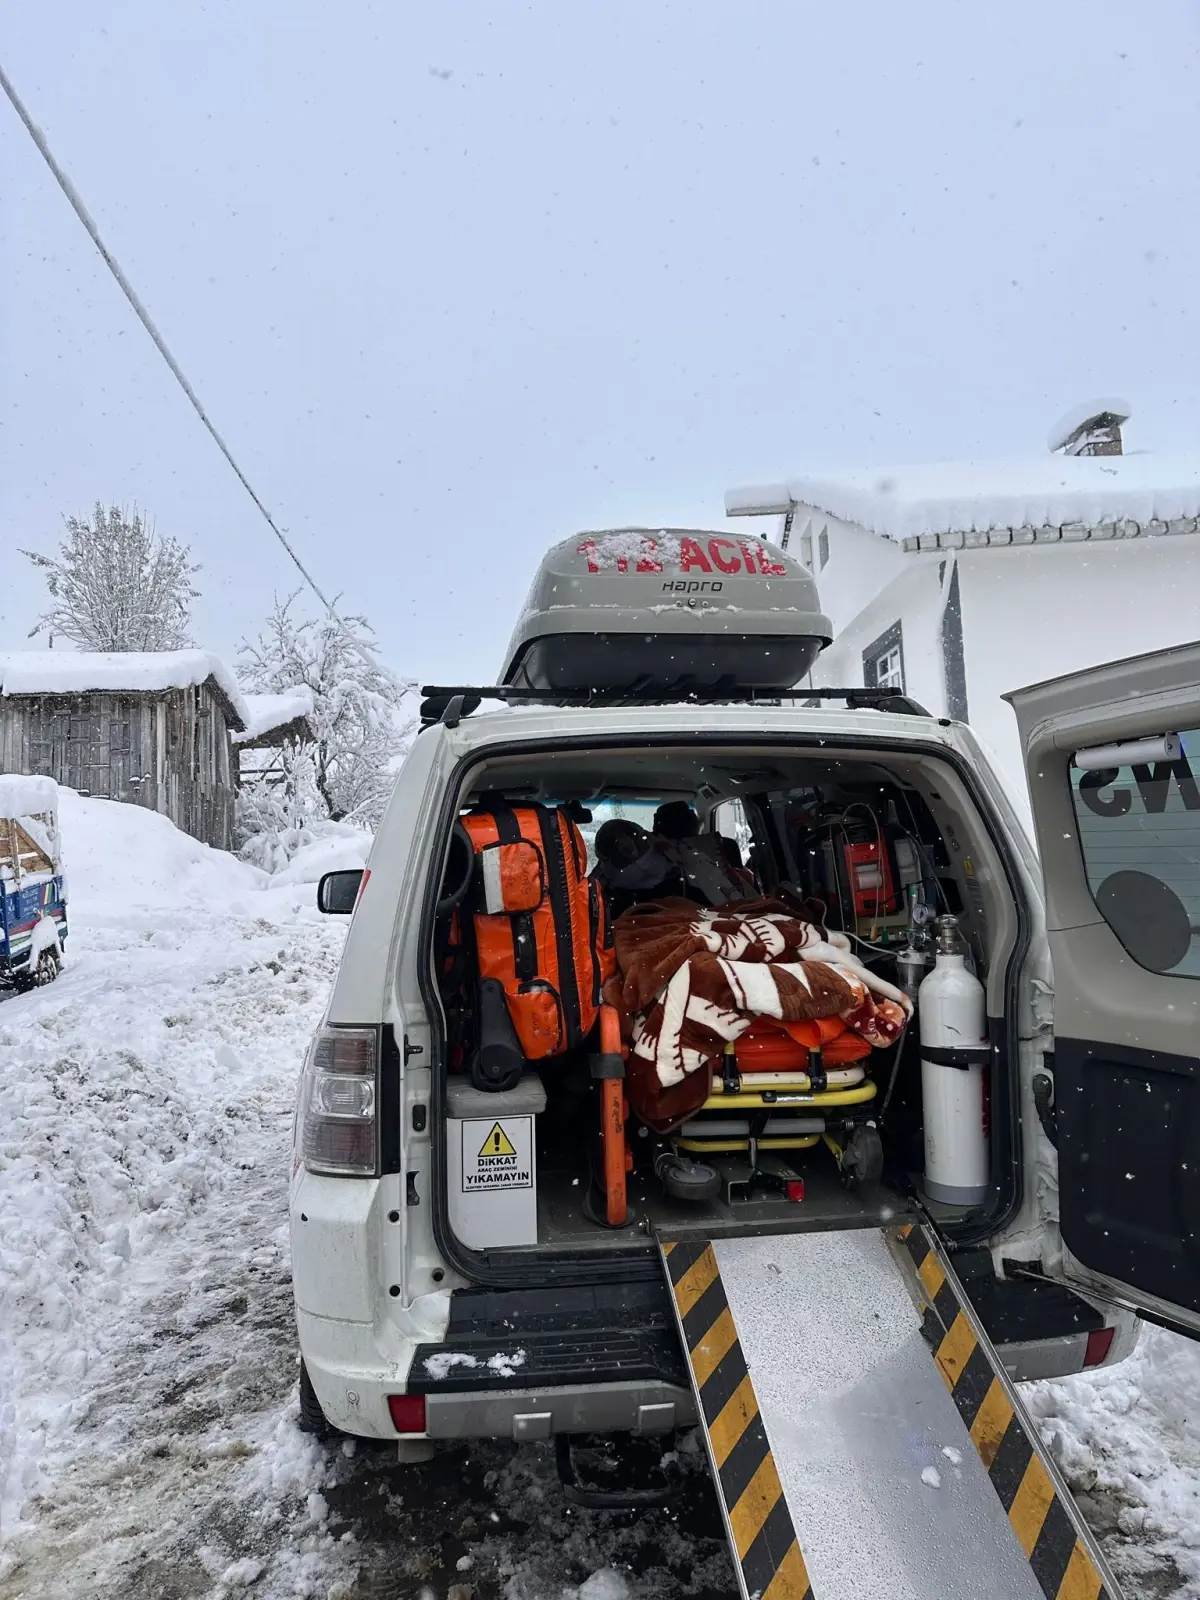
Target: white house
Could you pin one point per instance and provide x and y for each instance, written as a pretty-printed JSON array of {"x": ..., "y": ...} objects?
[{"x": 958, "y": 582}]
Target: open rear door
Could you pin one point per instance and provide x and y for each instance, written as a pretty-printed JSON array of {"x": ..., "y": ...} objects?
[{"x": 1119, "y": 836}]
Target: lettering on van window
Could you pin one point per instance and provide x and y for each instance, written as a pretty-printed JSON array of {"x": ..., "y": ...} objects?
[
  {"x": 1139, "y": 835},
  {"x": 1100, "y": 795},
  {"x": 718, "y": 554}
]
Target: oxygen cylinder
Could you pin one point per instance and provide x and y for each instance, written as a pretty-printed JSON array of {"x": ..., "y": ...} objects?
[
  {"x": 954, "y": 1052},
  {"x": 912, "y": 963}
]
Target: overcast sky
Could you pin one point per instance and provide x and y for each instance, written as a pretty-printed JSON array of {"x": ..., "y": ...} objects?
[{"x": 456, "y": 280}]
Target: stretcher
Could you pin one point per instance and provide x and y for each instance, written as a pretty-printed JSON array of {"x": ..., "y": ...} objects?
[{"x": 786, "y": 1109}]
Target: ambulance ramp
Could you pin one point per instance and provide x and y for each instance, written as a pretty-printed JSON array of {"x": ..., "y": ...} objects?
[{"x": 865, "y": 1440}]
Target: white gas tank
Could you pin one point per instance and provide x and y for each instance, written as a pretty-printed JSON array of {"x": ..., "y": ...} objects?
[{"x": 952, "y": 1014}]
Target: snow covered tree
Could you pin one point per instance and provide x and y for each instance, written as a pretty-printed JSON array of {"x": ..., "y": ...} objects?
[
  {"x": 361, "y": 718},
  {"x": 117, "y": 585},
  {"x": 277, "y": 814}
]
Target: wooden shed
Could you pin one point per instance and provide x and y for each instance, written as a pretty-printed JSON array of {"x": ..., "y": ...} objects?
[
  {"x": 151, "y": 729},
  {"x": 273, "y": 722}
]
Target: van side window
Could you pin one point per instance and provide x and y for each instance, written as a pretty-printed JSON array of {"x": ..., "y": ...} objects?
[{"x": 1139, "y": 830}]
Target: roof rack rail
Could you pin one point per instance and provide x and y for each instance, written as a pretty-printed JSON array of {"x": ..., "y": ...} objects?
[{"x": 450, "y": 703}]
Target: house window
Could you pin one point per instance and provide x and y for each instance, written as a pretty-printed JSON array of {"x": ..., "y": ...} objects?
[
  {"x": 883, "y": 661},
  {"x": 823, "y": 548}
]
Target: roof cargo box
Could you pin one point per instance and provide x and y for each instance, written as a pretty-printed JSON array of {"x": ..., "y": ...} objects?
[{"x": 663, "y": 610}]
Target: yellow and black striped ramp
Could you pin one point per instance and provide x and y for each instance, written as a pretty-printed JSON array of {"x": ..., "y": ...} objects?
[
  {"x": 769, "y": 1560},
  {"x": 1045, "y": 1520},
  {"x": 863, "y": 1437}
]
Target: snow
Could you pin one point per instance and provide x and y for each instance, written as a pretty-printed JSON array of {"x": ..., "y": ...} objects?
[
  {"x": 345, "y": 851},
  {"x": 241, "y": 1574},
  {"x": 440, "y": 1365},
  {"x": 148, "y": 1437},
  {"x": 144, "y": 1103},
  {"x": 1127, "y": 1439},
  {"x": 605, "y": 1585},
  {"x": 43, "y": 937},
  {"x": 904, "y": 502},
  {"x": 632, "y": 544},
  {"x": 22, "y": 796},
  {"x": 134, "y": 672},
  {"x": 33, "y": 803},
  {"x": 265, "y": 712},
  {"x": 932, "y": 1477},
  {"x": 504, "y": 1366}
]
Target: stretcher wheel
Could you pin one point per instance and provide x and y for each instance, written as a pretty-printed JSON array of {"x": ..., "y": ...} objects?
[
  {"x": 862, "y": 1156},
  {"x": 685, "y": 1179}
]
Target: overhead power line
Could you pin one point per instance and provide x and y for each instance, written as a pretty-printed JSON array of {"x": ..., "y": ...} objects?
[{"x": 144, "y": 317}]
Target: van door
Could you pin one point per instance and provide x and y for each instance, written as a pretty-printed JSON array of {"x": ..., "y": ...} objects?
[{"x": 1113, "y": 762}]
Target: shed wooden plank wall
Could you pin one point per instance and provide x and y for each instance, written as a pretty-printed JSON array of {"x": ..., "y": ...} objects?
[{"x": 170, "y": 752}]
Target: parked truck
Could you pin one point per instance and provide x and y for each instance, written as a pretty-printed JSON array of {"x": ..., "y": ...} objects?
[{"x": 33, "y": 891}]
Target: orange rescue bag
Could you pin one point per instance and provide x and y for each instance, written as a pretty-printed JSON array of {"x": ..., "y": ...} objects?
[{"x": 541, "y": 933}]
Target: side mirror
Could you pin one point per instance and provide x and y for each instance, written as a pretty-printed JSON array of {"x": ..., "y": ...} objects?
[{"x": 337, "y": 892}]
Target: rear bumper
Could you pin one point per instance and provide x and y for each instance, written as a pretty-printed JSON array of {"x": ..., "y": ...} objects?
[
  {"x": 520, "y": 1364},
  {"x": 525, "y": 1414},
  {"x": 354, "y": 1393},
  {"x": 1033, "y": 1360},
  {"x": 351, "y": 1374},
  {"x": 527, "y": 1364},
  {"x": 527, "y": 1392}
]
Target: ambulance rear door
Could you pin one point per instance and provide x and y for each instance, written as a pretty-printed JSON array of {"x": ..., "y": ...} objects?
[{"x": 1113, "y": 762}]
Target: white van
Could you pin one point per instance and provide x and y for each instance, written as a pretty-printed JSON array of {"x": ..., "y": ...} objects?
[{"x": 433, "y": 1303}]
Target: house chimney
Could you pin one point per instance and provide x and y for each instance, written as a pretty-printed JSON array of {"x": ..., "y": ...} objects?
[{"x": 1093, "y": 429}]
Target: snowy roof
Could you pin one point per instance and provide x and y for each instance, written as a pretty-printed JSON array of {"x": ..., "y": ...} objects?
[
  {"x": 22, "y": 796},
  {"x": 266, "y": 712},
  {"x": 133, "y": 672},
  {"x": 909, "y": 503},
  {"x": 32, "y": 802}
]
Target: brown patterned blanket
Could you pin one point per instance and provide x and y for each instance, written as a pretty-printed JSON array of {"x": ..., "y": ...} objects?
[{"x": 690, "y": 979}]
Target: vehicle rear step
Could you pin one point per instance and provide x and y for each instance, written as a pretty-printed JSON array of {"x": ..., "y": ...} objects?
[
  {"x": 548, "y": 1360},
  {"x": 542, "y": 1338}
]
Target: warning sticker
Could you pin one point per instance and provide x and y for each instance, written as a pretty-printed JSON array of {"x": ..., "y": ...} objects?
[
  {"x": 497, "y": 1155},
  {"x": 497, "y": 1143}
]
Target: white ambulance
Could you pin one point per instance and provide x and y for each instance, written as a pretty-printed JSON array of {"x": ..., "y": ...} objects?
[{"x": 456, "y": 1272}]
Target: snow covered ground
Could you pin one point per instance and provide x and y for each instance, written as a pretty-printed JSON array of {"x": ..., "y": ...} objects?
[
  {"x": 1128, "y": 1440},
  {"x": 148, "y": 1440}
]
